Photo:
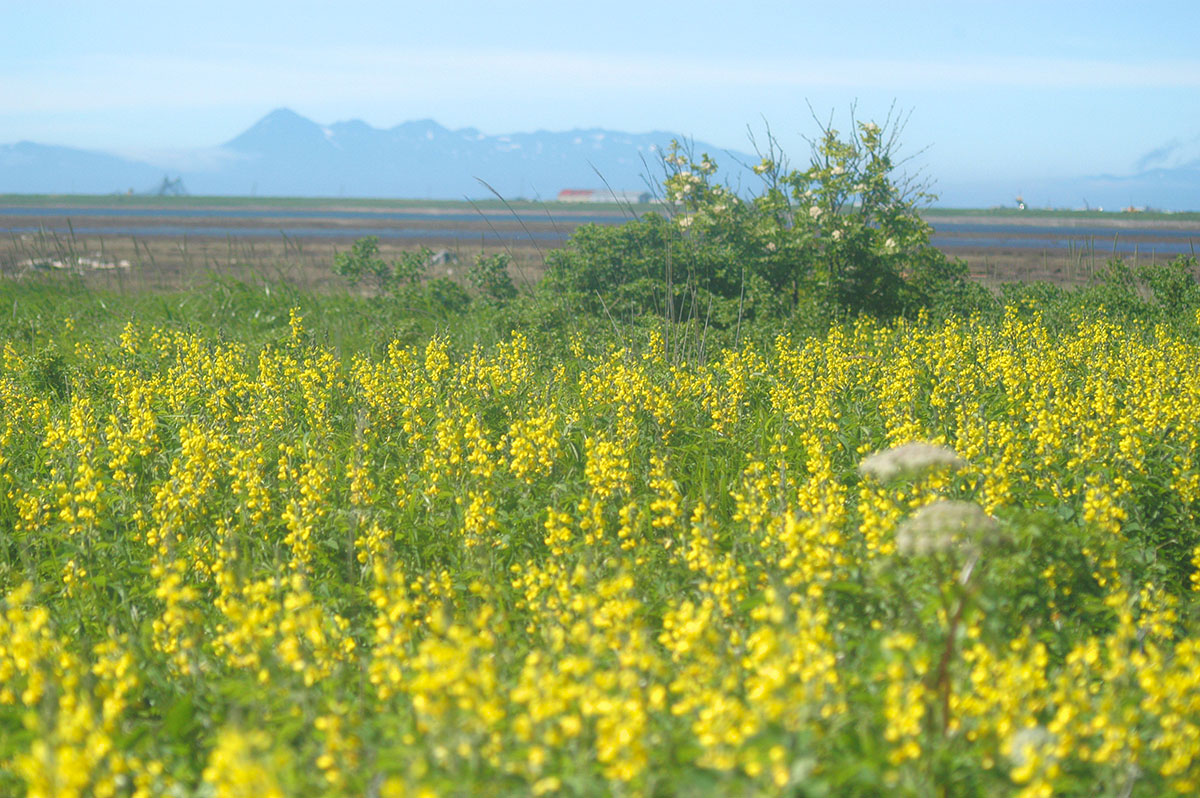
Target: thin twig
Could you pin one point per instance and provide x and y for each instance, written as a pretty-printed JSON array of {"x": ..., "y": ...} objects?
[
  {"x": 604, "y": 305},
  {"x": 627, "y": 208},
  {"x": 520, "y": 221},
  {"x": 512, "y": 258}
]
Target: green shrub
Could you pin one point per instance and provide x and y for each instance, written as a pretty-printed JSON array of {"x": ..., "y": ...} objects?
[
  {"x": 841, "y": 237},
  {"x": 1172, "y": 286},
  {"x": 490, "y": 278},
  {"x": 446, "y": 296},
  {"x": 49, "y": 374},
  {"x": 1147, "y": 292},
  {"x": 363, "y": 262}
]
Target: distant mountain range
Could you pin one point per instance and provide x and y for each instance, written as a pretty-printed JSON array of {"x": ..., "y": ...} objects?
[{"x": 285, "y": 154}]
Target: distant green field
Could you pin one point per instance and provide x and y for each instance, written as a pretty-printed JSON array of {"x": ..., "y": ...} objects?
[
  {"x": 142, "y": 201},
  {"x": 1016, "y": 213}
]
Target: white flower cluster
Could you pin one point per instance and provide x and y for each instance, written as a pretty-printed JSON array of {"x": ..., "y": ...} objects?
[
  {"x": 909, "y": 459},
  {"x": 683, "y": 185},
  {"x": 1026, "y": 744},
  {"x": 945, "y": 525}
]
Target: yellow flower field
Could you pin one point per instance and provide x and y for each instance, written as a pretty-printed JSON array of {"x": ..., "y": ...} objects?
[{"x": 235, "y": 571}]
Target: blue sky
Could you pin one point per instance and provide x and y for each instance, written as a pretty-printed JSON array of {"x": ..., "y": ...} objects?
[{"x": 997, "y": 91}]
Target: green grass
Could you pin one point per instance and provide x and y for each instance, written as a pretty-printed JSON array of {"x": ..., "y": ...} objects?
[
  {"x": 292, "y": 203},
  {"x": 355, "y": 550}
]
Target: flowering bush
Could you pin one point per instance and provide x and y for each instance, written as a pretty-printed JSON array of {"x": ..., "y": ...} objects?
[{"x": 842, "y": 236}]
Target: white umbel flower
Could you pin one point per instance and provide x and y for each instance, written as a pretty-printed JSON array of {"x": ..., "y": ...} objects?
[
  {"x": 943, "y": 526},
  {"x": 1026, "y": 745},
  {"x": 909, "y": 459}
]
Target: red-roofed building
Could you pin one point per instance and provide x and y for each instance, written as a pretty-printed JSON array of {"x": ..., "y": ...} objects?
[{"x": 594, "y": 195}]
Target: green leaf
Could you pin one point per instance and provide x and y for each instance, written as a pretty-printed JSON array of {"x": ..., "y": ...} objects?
[{"x": 180, "y": 717}]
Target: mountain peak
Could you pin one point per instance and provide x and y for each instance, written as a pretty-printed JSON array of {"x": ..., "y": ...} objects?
[
  {"x": 281, "y": 127},
  {"x": 419, "y": 127},
  {"x": 284, "y": 114},
  {"x": 286, "y": 154}
]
